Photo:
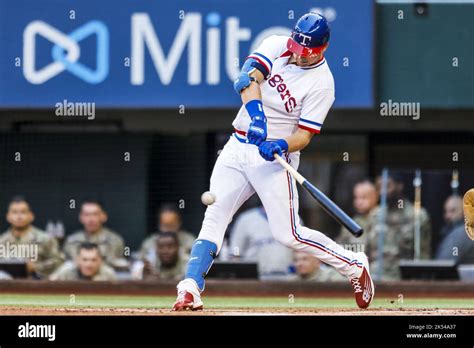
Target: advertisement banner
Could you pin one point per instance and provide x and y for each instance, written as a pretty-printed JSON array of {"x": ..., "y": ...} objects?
[{"x": 164, "y": 54}]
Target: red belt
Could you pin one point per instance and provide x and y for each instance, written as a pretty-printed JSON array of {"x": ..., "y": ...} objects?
[{"x": 240, "y": 132}]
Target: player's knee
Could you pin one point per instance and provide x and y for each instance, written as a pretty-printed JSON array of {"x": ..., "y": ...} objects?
[{"x": 286, "y": 239}]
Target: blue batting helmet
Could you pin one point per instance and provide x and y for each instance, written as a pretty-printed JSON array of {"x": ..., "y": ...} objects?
[{"x": 310, "y": 35}]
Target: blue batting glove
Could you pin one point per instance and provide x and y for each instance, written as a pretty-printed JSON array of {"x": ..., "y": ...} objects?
[
  {"x": 268, "y": 149},
  {"x": 257, "y": 132}
]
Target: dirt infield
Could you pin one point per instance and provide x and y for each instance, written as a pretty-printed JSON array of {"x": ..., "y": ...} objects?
[
  {"x": 231, "y": 312},
  {"x": 228, "y": 298}
]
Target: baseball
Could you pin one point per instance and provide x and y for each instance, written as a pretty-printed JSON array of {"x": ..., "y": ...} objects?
[{"x": 208, "y": 198}]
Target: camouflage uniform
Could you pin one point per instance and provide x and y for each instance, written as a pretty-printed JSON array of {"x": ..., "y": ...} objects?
[
  {"x": 111, "y": 245},
  {"x": 148, "y": 248},
  {"x": 398, "y": 238},
  {"x": 70, "y": 272},
  {"x": 174, "y": 273},
  {"x": 49, "y": 256},
  {"x": 349, "y": 241}
]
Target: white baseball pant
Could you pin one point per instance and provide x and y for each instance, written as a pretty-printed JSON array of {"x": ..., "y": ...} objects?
[{"x": 239, "y": 172}]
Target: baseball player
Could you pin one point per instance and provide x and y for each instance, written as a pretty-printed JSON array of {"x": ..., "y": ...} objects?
[{"x": 287, "y": 90}]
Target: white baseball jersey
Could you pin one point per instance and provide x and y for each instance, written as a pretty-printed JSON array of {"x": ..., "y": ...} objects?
[{"x": 292, "y": 96}]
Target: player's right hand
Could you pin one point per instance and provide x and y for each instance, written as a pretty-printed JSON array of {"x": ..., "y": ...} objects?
[
  {"x": 257, "y": 132},
  {"x": 268, "y": 149}
]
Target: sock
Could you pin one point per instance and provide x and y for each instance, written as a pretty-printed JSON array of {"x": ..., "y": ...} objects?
[{"x": 200, "y": 261}]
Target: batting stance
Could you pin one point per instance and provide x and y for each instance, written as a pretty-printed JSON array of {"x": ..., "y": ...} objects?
[{"x": 287, "y": 89}]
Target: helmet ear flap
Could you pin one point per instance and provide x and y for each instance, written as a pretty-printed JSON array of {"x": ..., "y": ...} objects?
[{"x": 318, "y": 50}]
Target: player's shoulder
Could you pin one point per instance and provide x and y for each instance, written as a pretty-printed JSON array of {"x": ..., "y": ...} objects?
[
  {"x": 325, "y": 79},
  {"x": 273, "y": 42}
]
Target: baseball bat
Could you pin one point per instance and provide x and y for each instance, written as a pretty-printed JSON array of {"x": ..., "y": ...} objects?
[{"x": 324, "y": 201}]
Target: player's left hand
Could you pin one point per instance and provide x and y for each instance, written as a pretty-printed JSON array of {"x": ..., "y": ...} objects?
[
  {"x": 257, "y": 132},
  {"x": 268, "y": 149}
]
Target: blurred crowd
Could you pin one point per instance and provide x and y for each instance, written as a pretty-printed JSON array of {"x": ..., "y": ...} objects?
[
  {"x": 396, "y": 221},
  {"x": 389, "y": 235},
  {"x": 96, "y": 252}
]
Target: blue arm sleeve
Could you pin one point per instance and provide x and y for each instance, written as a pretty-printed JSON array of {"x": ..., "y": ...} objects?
[
  {"x": 252, "y": 63},
  {"x": 244, "y": 79}
]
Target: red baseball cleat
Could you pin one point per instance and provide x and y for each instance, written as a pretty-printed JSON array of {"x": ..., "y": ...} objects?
[
  {"x": 363, "y": 286},
  {"x": 189, "y": 298},
  {"x": 185, "y": 302}
]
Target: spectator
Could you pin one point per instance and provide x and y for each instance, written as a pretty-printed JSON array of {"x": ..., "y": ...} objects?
[
  {"x": 455, "y": 245},
  {"x": 44, "y": 255},
  {"x": 111, "y": 245},
  {"x": 365, "y": 200},
  {"x": 169, "y": 220},
  {"x": 251, "y": 240},
  {"x": 309, "y": 268},
  {"x": 399, "y": 230},
  {"x": 89, "y": 265},
  {"x": 170, "y": 265},
  {"x": 453, "y": 215}
]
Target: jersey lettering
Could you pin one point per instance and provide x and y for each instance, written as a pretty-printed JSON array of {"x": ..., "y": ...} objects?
[{"x": 285, "y": 94}]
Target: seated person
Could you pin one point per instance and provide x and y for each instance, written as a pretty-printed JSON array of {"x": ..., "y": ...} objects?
[
  {"x": 456, "y": 245},
  {"x": 453, "y": 215},
  {"x": 170, "y": 264},
  {"x": 398, "y": 231},
  {"x": 169, "y": 220},
  {"x": 111, "y": 245},
  {"x": 309, "y": 268},
  {"x": 89, "y": 265},
  {"x": 365, "y": 198},
  {"x": 44, "y": 255}
]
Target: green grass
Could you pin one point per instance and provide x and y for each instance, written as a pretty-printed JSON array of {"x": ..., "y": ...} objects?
[{"x": 107, "y": 301}]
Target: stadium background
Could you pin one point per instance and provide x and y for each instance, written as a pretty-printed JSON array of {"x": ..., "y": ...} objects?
[{"x": 173, "y": 130}]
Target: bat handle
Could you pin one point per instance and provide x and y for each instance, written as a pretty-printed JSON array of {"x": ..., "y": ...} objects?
[{"x": 298, "y": 177}]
